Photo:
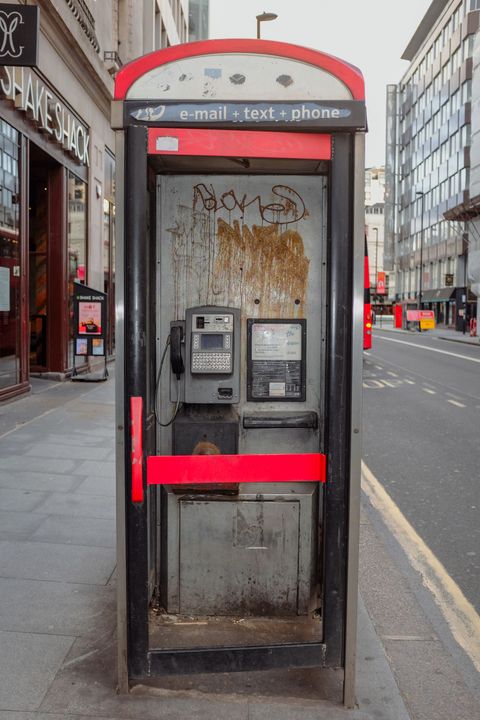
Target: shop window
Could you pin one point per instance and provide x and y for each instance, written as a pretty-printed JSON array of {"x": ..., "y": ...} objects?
[
  {"x": 10, "y": 260},
  {"x": 77, "y": 244},
  {"x": 109, "y": 248}
]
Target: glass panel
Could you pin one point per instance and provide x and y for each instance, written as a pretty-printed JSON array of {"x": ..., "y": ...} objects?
[
  {"x": 77, "y": 245},
  {"x": 9, "y": 261},
  {"x": 109, "y": 248}
]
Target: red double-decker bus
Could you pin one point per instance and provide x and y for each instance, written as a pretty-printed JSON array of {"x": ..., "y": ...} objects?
[{"x": 367, "y": 307}]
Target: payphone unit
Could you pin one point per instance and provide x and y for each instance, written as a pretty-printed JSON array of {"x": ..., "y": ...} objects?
[{"x": 212, "y": 355}]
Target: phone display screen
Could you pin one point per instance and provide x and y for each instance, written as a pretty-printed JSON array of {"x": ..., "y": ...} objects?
[{"x": 212, "y": 341}]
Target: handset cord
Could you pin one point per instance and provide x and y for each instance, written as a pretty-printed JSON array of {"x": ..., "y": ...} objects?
[{"x": 157, "y": 386}]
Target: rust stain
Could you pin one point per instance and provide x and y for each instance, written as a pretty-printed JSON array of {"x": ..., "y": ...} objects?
[
  {"x": 260, "y": 262},
  {"x": 260, "y": 268}
]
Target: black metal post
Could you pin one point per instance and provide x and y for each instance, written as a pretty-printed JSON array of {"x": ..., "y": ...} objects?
[
  {"x": 136, "y": 386},
  {"x": 338, "y": 399}
]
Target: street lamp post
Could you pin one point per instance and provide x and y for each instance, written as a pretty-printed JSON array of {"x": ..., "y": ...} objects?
[
  {"x": 419, "y": 303},
  {"x": 264, "y": 17}
]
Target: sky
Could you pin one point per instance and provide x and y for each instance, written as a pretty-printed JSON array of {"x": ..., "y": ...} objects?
[{"x": 371, "y": 34}]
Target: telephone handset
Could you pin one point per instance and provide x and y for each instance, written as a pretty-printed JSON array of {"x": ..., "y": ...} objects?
[
  {"x": 176, "y": 359},
  {"x": 209, "y": 358}
]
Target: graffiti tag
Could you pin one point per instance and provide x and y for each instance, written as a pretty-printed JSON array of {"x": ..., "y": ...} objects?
[{"x": 289, "y": 208}]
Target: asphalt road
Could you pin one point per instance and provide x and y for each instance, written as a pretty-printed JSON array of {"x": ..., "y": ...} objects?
[{"x": 422, "y": 440}]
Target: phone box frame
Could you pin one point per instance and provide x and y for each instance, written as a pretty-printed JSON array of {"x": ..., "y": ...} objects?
[{"x": 136, "y": 144}]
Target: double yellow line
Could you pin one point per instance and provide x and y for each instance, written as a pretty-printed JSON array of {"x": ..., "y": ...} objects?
[{"x": 459, "y": 613}]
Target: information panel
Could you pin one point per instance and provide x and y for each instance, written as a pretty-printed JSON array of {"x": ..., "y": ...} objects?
[
  {"x": 90, "y": 321},
  {"x": 276, "y": 360}
]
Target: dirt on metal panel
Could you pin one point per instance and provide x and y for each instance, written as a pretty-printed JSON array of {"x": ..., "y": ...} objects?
[{"x": 235, "y": 248}]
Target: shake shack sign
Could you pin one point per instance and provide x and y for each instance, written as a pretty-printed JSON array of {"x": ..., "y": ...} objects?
[{"x": 30, "y": 95}]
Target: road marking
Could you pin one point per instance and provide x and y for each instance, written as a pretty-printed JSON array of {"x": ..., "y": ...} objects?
[
  {"x": 392, "y": 373},
  {"x": 459, "y": 613},
  {"x": 391, "y": 383},
  {"x": 427, "y": 390},
  {"x": 410, "y": 382},
  {"x": 409, "y": 638},
  {"x": 437, "y": 350},
  {"x": 371, "y": 384},
  {"x": 379, "y": 367},
  {"x": 457, "y": 404}
]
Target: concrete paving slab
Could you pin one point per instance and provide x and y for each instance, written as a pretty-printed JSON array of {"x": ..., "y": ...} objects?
[
  {"x": 98, "y": 485},
  {"x": 434, "y": 687},
  {"x": 68, "y": 530},
  {"x": 104, "y": 429},
  {"x": 78, "y": 505},
  {"x": 55, "y": 562},
  {"x": 21, "y": 500},
  {"x": 90, "y": 467},
  {"x": 28, "y": 664},
  {"x": 305, "y": 711},
  {"x": 397, "y": 612},
  {"x": 44, "y": 399},
  {"x": 46, "y": 465},
  {"x": 38, "y": 481},
  {"x": 73, "y": 452},
  {"x": 56, "y": 608},
  {"x": 381, "y": 697},
  {"x": 85, "y": 687},
  {"x": 13, "y": 437},
  {"x": 82, "y": 439},
  {"x": 91, "y": 408},
  {"x": 18, "y": 525},
  {"x": 13, "y": 715}
]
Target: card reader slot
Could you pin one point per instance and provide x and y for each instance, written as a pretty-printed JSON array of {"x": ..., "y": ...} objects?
[{"x": 308, "y": 419}]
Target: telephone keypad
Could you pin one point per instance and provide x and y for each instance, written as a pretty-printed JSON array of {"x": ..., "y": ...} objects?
[{"x": 211, "y": 362}]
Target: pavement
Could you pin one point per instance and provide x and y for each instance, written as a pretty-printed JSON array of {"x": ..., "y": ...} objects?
[{"x": 57, "y": 594}]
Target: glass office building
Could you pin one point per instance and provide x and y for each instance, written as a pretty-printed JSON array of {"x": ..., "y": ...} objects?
[{"x": 428, "y": 163}]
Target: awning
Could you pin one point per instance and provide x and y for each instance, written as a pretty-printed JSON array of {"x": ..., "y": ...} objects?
[{"x": 438, "y": 295}]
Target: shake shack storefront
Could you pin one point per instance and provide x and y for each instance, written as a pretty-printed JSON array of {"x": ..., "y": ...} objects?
[{"x": 44, "y": 161}]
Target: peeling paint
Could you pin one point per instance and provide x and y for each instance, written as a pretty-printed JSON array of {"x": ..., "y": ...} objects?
[{"x": 213, "y": 73}]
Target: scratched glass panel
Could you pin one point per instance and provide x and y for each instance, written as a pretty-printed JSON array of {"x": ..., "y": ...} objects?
[{"x": 252, "y": 242}]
